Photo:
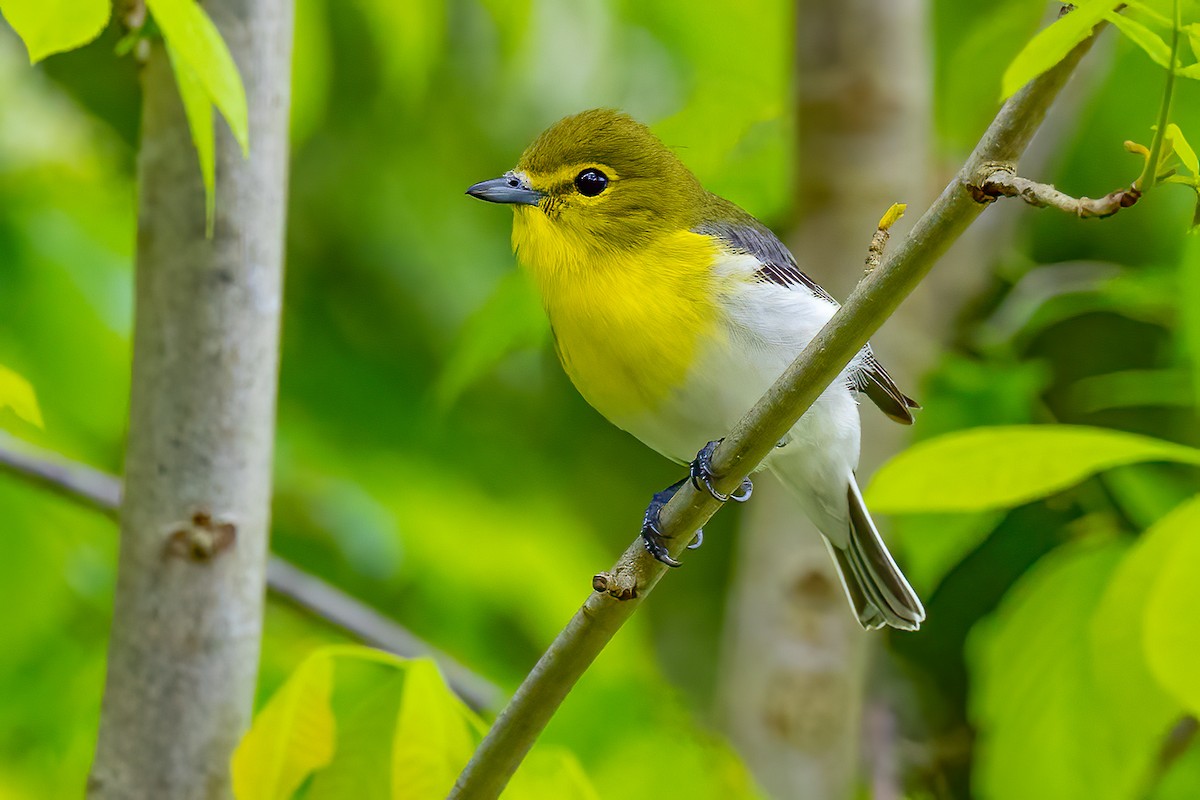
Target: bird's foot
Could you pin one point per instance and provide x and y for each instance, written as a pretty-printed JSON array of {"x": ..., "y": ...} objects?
[
  {"x": 652, "y": 535},
  {"x": 702, "y": 477}
]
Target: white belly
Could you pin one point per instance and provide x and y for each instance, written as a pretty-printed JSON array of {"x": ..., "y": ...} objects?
[{"x": 766, "y": 327}]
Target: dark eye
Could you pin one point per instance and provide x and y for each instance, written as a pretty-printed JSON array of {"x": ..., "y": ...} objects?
[{"x": 591, "y": 182}]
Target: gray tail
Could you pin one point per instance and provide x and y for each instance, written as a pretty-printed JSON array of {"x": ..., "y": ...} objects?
[{"x": 876, "y": 587}]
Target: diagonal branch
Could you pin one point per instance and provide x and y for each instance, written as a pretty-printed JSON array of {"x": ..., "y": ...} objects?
[
  {"x": 102, "y": 491},
  {"x": 635, "y": 573}
]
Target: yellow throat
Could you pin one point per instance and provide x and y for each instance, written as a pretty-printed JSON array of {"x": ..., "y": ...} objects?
[{"x": 628, "y": 323}]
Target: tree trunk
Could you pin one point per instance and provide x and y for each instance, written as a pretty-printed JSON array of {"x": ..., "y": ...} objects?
[
  {"x": 794, "y": 662},
  {"x": 183, "y": 655}
]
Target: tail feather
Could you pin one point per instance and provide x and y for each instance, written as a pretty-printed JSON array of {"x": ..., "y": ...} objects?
[{"x": 874, "y": 584}]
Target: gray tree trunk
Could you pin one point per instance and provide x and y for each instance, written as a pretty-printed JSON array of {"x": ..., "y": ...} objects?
[
  {"x": 183, "y": 655},
  {"x": 794, "y": 659}
]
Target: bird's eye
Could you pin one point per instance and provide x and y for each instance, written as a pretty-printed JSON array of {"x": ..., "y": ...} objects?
[{"x": 591, "y": 182}]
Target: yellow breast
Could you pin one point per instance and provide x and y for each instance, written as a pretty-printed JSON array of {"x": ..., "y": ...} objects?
[{"x": 627, "y": 324}]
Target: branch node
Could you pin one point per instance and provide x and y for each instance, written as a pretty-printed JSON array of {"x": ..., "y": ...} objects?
[
  {"x": 620, "y": 584},
  {"x": 201, "y": 539}
]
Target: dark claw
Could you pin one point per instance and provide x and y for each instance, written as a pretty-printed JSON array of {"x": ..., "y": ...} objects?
[
  {"x": 702, "y": 476},
  {"x": 652, "y": 536},
  {"x": 653, "y": 539}
]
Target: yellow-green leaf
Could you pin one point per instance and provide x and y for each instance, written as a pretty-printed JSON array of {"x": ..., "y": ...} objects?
[
  {"x": 1172, "y": 627},
  {"x": 1004, "y": 466},
  {"x": 1046, "y": 727},
  {"x": 198, "y": 43},
  {"x": 1158, "y": 50},
  {"x": 1052, "y": 44},
  {"x": 1183, "y": 149},
  {"x": 1193, "y": 35},
  {"x": 53, "y": 26},
  {"x": 17, "y": 393},
  {"x": 199, "y": 111},
  {"x": 290, "y": 738},
  {"x": 550, "y": 772},
  {"x": 1118, "y": 630},
  {"x": 433, "y": 738},
  {"x": 367, "y": 701}
]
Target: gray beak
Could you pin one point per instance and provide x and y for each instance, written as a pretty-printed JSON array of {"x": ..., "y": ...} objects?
[{"x": 509, "y": 188}]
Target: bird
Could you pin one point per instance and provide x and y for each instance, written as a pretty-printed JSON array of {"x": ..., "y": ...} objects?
[{"x": 673, "y": 311}]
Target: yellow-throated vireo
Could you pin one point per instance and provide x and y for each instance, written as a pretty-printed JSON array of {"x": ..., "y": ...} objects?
[{"x": 673, "y": 311}]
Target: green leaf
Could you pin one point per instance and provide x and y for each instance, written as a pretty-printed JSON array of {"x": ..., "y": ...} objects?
[
  {"x": 1158, "y": 50},
  {"x": 1001, "y": 467},
  {"x": 1117, "y": 629},
  {"x": 198, "y": 43},
  {"x": 550, "y": 772},
  {"x": 1172, "y": 627},
  {"x": 198, "y": 109},
  {"x": 510, "y": 319},
  {"x": 1193, "y": 36},
  {"x": 433, "y": 738},
  {"x": 1052, "y": 44},
  {"x": 1048, "y": 724},
  {"x": 1189, "y": 309},
  {"x": 290, "y": 738},
  {"x": 17, "y": 393},
  {"x": 1183, "y": 149},
  {"x": 54, "y": 26},
  {"x": 1150, "y": 11},
  {"x": 366, "y": 700}
]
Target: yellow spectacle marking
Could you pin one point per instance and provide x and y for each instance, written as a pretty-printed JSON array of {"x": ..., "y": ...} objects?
[{"x": 567, "y": 174}]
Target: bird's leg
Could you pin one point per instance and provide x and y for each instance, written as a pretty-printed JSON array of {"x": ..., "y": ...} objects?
[
  {"x": 652, "y": 535},
  {"x": 702, "y": 477}
]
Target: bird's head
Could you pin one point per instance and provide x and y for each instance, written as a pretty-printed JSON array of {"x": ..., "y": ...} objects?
[{"x": 597, "y": 180}]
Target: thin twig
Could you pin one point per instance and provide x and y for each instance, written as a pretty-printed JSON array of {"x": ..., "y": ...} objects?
[
  {"x": 1004, "y": 183},
  {"x": 818, "y": 366},
  {"x": 102, "y": 491},
  {"x": 1150, "y": 176},
  {"x": 70, "y": 479}
]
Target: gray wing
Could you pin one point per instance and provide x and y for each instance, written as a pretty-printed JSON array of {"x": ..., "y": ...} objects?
[{"x": 747, "y": 235}]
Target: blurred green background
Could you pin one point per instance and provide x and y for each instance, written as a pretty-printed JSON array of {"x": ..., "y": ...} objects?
[{"x": 433, "y": 459}]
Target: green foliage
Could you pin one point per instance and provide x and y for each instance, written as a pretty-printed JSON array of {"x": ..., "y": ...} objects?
[
  {"x": 292, "y": 737},
  {"x": 1172, "y": 633},
  {"x": 199, "y": 111},
  {"x": 989, "y": 468},
  {"x": 1141, "y": 35},
  {"x": 204, "y": 69},
  {"x": 1049, "y": 726},
  {"x": 478, "y": 523},
  {"x": 1090, "y": 657},
  {"x": 356, "y": 722},
  {"x": 52, "y": 26},
  {"x": 207, "y": 77},
  {"x": 1052, "y": 44},
  {"x": 17, "y": 394}
]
